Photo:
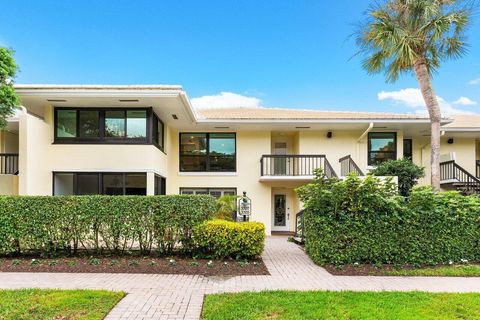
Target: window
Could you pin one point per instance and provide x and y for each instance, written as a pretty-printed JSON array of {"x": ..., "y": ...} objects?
[
  {"x": 87, "y": 183},
  {"x": 407, "y": 148},
  {"x": 207, "y": 152},
  {"x": 215, "y": 192},
  {"x": 137, "y": 124},
  {"x": 115, "y": 124},
  {"x": 66, "y": 123},
  {"x": 94, "y": 125},
  {"x": 89, "y": 124},
  {"x": 158, "y": 132},
  {"x": 91, "y": 183},
  {"x": 160, "y": 185},
  {"x": 382, "y": 146}
]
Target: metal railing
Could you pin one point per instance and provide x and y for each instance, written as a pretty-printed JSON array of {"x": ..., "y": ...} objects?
[
  {"x": 299, "y": 226},
  {"x": 461, "y": 179},
  {"x": 478, "y": 168},
  {"x": 295, "y": 165},
  {"x": 8, "y": 163},
  {"x": 347, "y": 165}
]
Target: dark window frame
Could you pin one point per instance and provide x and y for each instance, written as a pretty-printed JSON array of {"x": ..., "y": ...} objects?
[
  {"x": 408, "y": 155},
  {"x": 160, "y": 187},
  {"x": 371, "y": 161},
  {"x": 102, "y": 138},
  {"x": 208, "y": 189},
  {"x": 100, "y": 179},
  {"x": 207, "y": 154},
  {"x": 154, "y": 127}
]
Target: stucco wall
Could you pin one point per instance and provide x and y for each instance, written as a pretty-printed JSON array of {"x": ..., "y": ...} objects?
[
  {"x": 8, "y": 184},
  {"x": 341, "y": 144},
  {"x": 250, "y": 147},
  {"x": 464, "y": 149},
  {"x": 8, "y": 142},
  {"x": 39, "y": 157}
]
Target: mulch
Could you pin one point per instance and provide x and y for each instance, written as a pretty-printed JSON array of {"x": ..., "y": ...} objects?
[{"x": 146, "y": 265}]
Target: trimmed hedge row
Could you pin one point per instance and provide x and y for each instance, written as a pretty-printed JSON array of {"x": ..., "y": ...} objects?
[
  {"x": 221, "y": 239},
  {"x": 367, "y": 222},
  {"x": 49, "y": 225}
]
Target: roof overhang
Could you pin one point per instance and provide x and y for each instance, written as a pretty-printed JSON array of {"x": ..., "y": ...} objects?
[{"x": 166, "y": 100}]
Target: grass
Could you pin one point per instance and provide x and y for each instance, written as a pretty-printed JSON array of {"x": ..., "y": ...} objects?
[
  {"x": 57, "y": 304},
  {"x": 325, "y": 305},
  {"x": 472, "y": 270}
]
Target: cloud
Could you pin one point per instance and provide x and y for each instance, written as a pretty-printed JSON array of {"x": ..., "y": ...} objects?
[
  {"x": 475, "y": 81},
  {"x": 412, "y": 97},
  {"x": 226, "y": 100},
  {"x": 464, "y": 101}
]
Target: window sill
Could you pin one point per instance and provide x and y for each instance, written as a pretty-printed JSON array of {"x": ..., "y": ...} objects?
[{"x": 206, "y": 174}]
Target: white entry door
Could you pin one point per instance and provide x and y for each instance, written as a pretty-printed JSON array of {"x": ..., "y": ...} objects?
[{"x": 281, "y": 214}]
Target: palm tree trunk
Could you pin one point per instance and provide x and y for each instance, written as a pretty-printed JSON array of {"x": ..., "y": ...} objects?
[{"x": 423, "y": 77}]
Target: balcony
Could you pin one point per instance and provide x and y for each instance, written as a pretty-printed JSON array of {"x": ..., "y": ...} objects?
[
  {"x": 9, "y": 163},
  {"x": 293, "y": 167},
  {"x": 8, "y": 173}
]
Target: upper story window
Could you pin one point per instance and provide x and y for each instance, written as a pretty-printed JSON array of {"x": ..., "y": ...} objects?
[
  {"x": 94, "y": 125},
  {"x": 203, "y": 152},
  {"x": 382, "y": 146}
]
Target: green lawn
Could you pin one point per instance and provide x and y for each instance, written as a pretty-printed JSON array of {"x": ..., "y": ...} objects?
[
  {"x": 342, "y": 305},
  {"x": 444, "y": 271},
  {"x": 57, "y": 304}
]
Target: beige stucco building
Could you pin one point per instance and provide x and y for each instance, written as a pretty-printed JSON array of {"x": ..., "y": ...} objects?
[{"x": 98, "y": 139}]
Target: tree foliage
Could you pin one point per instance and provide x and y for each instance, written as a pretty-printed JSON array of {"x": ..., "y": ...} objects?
[
  {"x": 407, "y": 172},
  {"x": 398, "y": 33},
  {"x": 9, "y": 100}
]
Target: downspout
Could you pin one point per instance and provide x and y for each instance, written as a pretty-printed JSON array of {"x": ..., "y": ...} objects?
[{"x": 370, "y": 127}]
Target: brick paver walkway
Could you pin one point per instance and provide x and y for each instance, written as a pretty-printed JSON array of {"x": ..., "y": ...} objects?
[{"x": 181, "y": 296}]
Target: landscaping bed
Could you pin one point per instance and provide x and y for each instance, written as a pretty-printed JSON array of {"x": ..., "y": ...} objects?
[
  {"x": 341, "y": 305},
  {"x": 460, "y": 270},
  {"x": 150, "y": 265},
  {"x": 57, "y": 304}
]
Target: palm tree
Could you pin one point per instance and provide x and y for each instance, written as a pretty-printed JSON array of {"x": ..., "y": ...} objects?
[{"x": 402, "y": 36}]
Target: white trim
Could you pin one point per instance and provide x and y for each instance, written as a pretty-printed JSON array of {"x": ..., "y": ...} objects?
[
  {"x": 105, "y": 170},
  {"x": 208, "y": 174},
  {"x": 461, "y": 129},
  {"x": 294, "y": 121},
  {"x": 286, "y": 178}
]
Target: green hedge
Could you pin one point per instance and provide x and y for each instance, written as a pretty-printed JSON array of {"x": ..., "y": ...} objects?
[
  {"x": 221, "y": 239},
  {"x": 367, "y": 222},
  {"x": 48, "y": 224}
]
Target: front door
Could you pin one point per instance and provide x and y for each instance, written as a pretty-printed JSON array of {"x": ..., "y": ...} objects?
[{"x": 281, "y": 216}]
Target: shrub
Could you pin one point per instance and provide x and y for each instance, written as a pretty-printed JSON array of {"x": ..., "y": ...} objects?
[
  {"x": 364, "y": 221},
  {"x": 227, "y": 205},
  {"x": 221, "y": 239},
  {"x": 48, "y": 224},
  {"x": 407, "y": 172}
]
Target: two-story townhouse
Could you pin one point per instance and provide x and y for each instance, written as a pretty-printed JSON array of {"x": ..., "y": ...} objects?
[{"x": 147, "y": 139}]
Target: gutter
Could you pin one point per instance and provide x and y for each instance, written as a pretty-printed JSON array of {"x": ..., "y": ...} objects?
[{"x": 370, "y": 127}]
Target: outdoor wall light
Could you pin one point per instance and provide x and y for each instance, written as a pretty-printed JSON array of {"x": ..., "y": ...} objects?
[
  {"x": 329, "y": 134},
  {"x": 450, "y": 141}
]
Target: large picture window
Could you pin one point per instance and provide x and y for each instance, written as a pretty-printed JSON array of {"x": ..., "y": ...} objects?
[
  {"x": 92, "y": 125},
  {"x": 211, "y": 152},
  {"x": 382, "y": 146},
  {"x": 92, "y": 183}
]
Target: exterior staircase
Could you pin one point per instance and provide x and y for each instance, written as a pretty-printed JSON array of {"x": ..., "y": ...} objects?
[{"x": 454, "y": 177}]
